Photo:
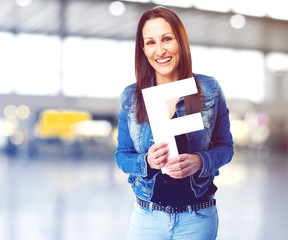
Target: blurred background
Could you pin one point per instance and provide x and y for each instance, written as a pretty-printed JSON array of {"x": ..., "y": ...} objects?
[{"x": 64, "y": 64}]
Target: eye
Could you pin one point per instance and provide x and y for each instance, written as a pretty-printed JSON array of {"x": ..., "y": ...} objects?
[
  {"x": 150, "y": 42},
  {"x": 166, "y": 39}
]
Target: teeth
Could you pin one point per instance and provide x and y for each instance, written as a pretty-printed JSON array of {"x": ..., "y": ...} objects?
[{"x": 163, "y": 60}]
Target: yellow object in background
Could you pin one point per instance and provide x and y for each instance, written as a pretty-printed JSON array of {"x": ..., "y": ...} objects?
[{"x": 57, "y": 123}]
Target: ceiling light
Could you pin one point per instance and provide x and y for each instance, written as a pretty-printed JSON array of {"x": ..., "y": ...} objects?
[
  {"x": 179, "y": 3},
  {"x": 140, "y": 1},
  {"x": 277, "y": 9},
  {"x": 117, "y": 8},
  {"x": 215, "y": 6},
  {"x": 23, "y": 3},
  {"x": 237, "y": 21},
  {"x": 252, "y": 8}
]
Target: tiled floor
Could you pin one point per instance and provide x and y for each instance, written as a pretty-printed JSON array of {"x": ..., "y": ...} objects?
[{"x": 51, "y": 198}]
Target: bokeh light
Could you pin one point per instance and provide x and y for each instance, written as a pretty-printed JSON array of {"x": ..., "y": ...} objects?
[
  {"x": 237, "y": 21},
  {"x": 10, "y": 111},
  {"x": 23, "y": 112},
  {"x": 17, "y": 138},
  {"x": 117, "y": 8}
]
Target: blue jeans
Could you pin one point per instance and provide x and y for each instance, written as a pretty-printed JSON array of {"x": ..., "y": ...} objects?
[{"x": 155, "y": 225}]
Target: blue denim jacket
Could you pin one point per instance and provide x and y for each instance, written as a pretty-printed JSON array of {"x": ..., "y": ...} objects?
[{"x": 214, "y": 143}]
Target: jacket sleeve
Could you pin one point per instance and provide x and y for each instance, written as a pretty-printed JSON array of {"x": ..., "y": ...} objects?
[
  {"x": 127, "y": 158},
  {"x": 221, "y": 151}
]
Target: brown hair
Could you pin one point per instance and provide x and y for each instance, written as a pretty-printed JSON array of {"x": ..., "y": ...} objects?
[{"x": 145, "y": 74}]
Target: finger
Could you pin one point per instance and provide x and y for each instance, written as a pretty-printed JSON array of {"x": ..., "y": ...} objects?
[
  {"x": 161, "y": 152},
  {"x": 161, "y": 165},
  {"x": 178, "y": 174},
  {"x": 161, "y": 144},
  {"x": 174, "y": 167},
  {"x": 176, "y": 159},
  {"x": 157, "y": 146},
  {"x": 162, "y": 159},
  {"x": 179, "y": 165}
]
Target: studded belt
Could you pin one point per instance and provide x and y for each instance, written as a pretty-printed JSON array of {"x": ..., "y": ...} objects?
[{"x": 171, "y": 209}]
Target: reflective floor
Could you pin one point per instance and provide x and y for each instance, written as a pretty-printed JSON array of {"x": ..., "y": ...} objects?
[{"x": 54, "y": 198}]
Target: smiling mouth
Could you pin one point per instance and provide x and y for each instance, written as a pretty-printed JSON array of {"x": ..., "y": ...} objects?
[{"x": 163, "y": 60}]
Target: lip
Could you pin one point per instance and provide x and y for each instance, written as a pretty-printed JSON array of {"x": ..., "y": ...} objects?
[{"x": 164, "y": 60}]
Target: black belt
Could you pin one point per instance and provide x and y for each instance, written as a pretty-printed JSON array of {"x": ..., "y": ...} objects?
[{"x": 171, "y": 209}]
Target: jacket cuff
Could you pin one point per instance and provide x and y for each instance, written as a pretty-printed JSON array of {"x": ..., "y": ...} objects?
[
  {"x": 143, "y": 164},
  {"x": 150, "y": 171},
  {"x": 206, "y": 159}
]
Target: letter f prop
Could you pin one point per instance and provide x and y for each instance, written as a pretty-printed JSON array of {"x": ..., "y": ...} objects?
[{"x": 163, "y": 128}]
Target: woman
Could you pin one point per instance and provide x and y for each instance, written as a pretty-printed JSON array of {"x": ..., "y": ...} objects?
[{"x": 179, "y": 204}]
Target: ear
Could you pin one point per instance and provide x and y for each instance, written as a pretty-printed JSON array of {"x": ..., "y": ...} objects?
[
  {"x": 142, "y": 46},
  {"x": 144, "y": 51}
]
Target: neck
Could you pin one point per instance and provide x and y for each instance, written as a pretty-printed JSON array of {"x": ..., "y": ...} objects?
[{"x": 165, "y": 79}]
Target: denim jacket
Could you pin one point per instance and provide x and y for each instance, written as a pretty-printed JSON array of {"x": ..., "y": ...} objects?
[{"x": 214, "y": 143}]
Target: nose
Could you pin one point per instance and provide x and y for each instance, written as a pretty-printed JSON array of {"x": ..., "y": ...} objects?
[{"x": 160, "y": 50}]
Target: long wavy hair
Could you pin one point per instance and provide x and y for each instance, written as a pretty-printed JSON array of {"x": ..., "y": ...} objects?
[{"x": 145, "y": 74}]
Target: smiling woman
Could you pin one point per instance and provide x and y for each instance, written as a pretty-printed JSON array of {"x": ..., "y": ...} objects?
[{"x": 186, "y": 191}]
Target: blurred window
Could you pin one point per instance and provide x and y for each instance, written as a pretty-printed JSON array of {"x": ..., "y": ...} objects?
[
  {"x": 31, "y": 64},
  {"x": 35, "y": 69},
  {"x": 240, "y": 72},
  {"x": 7, "y": 61},
  {"x": 97, "y": 67},
  {"x": 103, "y": 68},
  {"x": 277, "y": 62}
]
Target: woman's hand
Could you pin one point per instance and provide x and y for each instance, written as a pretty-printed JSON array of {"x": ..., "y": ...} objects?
[
  {"x": 157, "y": 155},
  {"x": 184, "y": 165}
]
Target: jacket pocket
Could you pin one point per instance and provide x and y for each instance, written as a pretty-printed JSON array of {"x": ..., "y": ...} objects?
[
  {"x": 199, "y": 182},
  {"x": 134, "y": 127},
  {"x": 208, "y": 112},
  {"x": 136, "y": 130}
]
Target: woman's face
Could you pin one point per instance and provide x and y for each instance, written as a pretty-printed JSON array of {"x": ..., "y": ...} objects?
[{"x": 161, "y": 49}]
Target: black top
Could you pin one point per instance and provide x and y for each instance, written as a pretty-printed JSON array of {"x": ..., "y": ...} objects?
[{"x": 177, "y": 192}]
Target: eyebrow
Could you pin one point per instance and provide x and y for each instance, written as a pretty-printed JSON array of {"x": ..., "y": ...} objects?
[{"x": 162, "y": 35}]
